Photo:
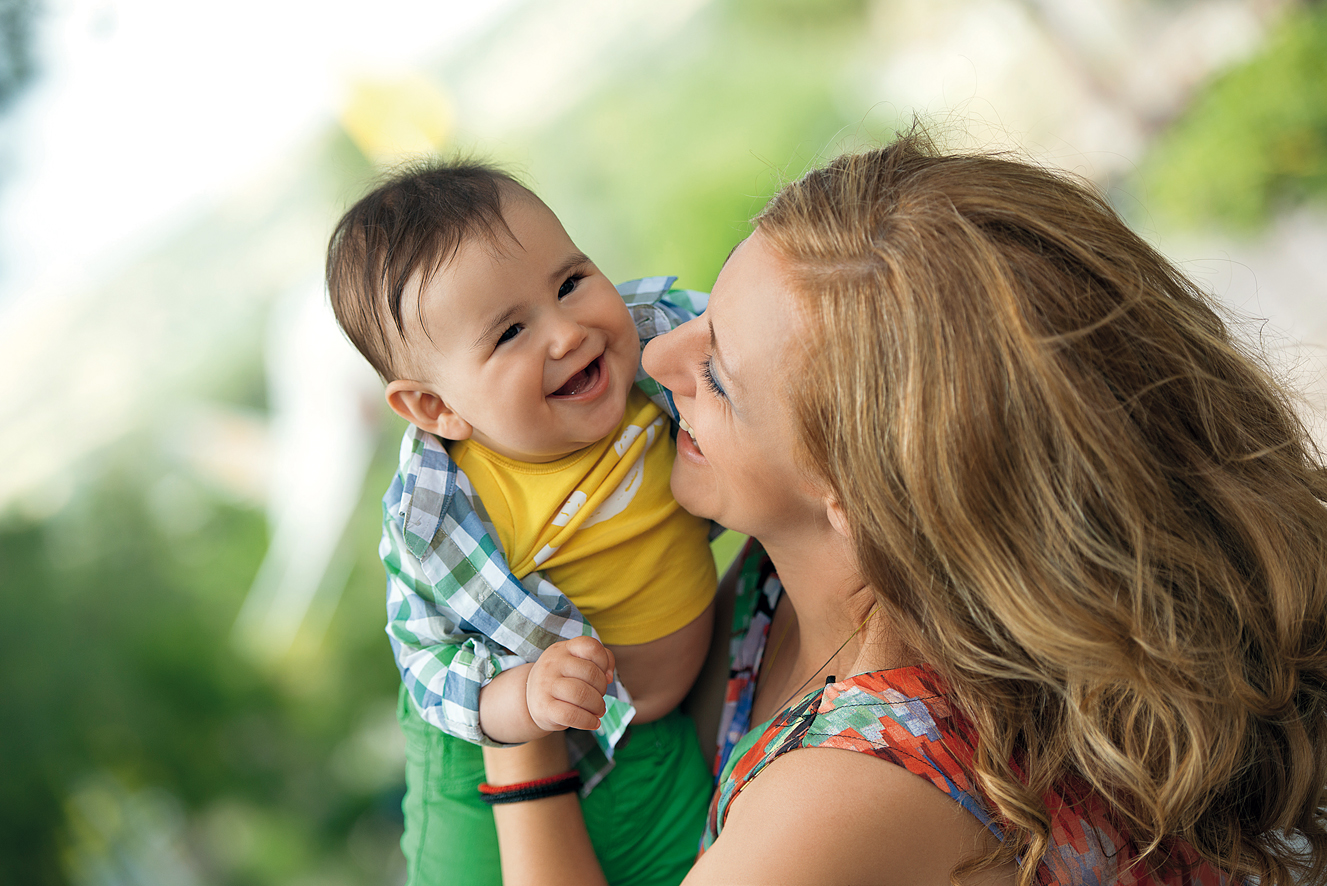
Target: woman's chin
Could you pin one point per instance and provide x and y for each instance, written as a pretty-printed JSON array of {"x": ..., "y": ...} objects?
[{"x": 686, "y": 491}]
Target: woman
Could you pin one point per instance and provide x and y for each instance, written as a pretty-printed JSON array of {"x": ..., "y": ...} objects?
[{"x": 1017, "y": 480}]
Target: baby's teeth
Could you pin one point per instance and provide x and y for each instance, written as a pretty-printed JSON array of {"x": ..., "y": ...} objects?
[{"x": 682, "y": 423}]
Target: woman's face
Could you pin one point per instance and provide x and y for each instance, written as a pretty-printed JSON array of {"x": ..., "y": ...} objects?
[{"x": 729, "y": 370}]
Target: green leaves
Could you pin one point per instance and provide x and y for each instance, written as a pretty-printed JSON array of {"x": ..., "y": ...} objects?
[{"x": 1255, "y": 141}]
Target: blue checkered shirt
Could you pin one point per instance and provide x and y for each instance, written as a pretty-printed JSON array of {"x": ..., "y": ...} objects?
[{"x": 456, "y": 616}]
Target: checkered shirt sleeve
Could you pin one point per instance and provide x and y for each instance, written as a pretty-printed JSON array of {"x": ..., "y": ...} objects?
[{"x": 456, "y": 615}]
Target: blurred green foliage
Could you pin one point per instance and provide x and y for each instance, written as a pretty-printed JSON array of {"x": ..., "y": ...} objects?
[
  {"x": 1254, "y": 141},
  {"x": 661, "y": 169},
  {"x": 121, "y": 676}
]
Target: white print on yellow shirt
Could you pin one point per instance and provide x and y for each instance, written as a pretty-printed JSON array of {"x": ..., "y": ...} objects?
[{"x": 620, "y": 498}]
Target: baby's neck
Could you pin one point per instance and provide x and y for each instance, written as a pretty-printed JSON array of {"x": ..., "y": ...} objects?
[{"x": 454, "y": 447}]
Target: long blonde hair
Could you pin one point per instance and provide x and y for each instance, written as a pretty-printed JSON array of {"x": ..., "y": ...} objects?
[{"x": 1092, "y": 512}]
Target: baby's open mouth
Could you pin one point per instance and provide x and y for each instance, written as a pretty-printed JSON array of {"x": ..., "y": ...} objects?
[{"x": 581, "y": 381}]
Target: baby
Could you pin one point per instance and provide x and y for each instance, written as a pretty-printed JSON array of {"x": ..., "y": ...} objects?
[{"x": 515, "y": 361}]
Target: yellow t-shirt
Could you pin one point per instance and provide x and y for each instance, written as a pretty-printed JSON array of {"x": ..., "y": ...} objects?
[{"x": 604, "y": 527}]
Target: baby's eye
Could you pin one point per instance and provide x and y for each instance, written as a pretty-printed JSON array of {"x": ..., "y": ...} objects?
[
  {"x": 509, "y": 333},
  {"x": 569, "y": 285}
]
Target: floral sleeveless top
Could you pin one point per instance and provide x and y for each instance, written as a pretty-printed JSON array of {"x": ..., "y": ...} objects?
[{"x": 902, "y": 716}]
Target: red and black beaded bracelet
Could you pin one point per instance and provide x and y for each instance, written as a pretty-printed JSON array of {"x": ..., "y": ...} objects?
[{"x": 537, "y": 789}]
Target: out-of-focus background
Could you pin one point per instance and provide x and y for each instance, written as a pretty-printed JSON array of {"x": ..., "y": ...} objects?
[{"x": 194, "y": 683}]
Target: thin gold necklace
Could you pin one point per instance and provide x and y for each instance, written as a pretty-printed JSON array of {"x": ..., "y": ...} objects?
[
  {"x": 855, "y": 632},
  {"x": 768, "y": 663}
]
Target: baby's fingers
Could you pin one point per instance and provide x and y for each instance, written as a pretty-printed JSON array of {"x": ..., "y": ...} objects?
[
  {"x": 567, "y": 716},
  {"x": 581, "y": 694},
  {"x": 589, "y": 673},
  {"x": 590, "y": 650},
  {"x": 573, "y": 705}
]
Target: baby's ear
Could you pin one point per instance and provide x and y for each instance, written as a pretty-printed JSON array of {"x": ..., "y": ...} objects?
[{"x": 426, "y": 410}]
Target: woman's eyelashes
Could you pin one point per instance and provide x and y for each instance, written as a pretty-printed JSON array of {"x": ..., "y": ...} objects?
[{"x": 707, "y": 373}]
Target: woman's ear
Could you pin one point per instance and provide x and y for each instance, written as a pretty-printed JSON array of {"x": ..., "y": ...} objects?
[
  {"x": 837, "y": 518},
  {"x": 426, "y": 410}
]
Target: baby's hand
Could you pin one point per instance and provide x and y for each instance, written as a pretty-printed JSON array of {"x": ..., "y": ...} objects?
[{"x": 566, "y": 686}]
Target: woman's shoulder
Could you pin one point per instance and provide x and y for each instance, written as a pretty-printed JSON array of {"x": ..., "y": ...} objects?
[
  {"x": 831, "y": 816},
  {"x": 902, "y": 716},
  {"x": 830, "y": 813},
  {"x": 905, "y": 717}
]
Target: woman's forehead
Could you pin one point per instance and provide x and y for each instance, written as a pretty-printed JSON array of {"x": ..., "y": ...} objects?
[
  {"x": 733, "y": 250},
  {"x": 755, "y": 318}
]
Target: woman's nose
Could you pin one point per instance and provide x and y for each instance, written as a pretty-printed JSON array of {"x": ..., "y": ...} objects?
[{"x": 664, "y": 358}]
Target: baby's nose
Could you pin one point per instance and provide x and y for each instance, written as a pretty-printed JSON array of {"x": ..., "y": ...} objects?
[{"x": 567, "y": 337}]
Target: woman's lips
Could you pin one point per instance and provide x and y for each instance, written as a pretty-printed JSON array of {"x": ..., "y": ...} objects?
[{"x": 690, "y": 437}]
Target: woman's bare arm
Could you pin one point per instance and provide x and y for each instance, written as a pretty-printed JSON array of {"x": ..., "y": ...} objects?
[{"x": 541, "y": 842}]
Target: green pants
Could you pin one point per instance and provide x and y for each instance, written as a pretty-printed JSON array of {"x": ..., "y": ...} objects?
[{"x": 645, "y": 819}]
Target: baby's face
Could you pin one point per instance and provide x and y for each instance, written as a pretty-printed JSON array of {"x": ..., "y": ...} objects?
[{"x": 530, "y": 344}]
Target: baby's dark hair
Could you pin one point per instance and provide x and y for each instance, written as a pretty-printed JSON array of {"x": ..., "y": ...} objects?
[{"x": 415, "y": 221}]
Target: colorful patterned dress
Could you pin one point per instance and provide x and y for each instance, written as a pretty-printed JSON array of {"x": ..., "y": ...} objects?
[{"x": 902, "y": 716}]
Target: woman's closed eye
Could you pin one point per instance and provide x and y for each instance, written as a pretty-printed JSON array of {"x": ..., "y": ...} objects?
[{"x": 711, "y": 382}]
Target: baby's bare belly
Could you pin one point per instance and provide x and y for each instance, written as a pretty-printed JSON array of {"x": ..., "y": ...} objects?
[{"x": 658, "y": 674}]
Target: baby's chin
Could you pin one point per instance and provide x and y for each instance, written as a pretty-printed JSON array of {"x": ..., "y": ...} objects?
[
  {"x": 586, "y": 436},
  {"x": 606, "y": 425}
]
